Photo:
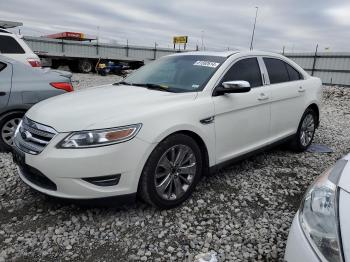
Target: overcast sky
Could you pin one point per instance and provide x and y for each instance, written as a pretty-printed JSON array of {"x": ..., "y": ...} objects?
[{"x": 296, "y": 24}]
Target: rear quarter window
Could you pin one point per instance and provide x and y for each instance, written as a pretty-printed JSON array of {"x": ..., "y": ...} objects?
[
  {"x": 9, "y": 45},
  {"x": 294, "y": 75}
]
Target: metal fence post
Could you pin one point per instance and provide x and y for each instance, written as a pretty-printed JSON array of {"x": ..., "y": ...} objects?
[
  {"x": 155, "y": 51},
  {"x": 314, "y": 63},
  {"x": 127, "y": 47},
  {"x": 62, "y": 46}
]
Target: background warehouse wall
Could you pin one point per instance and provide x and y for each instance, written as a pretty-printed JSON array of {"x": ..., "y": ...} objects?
[{"x": 332, "y": 67}]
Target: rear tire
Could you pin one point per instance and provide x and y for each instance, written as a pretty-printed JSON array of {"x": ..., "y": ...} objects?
[
  {"x": 8, "y": 126},
  {"x": 171, "y": 173},
  {"x": 85, "y": 66},
  {"x": 306, "y": 131}
]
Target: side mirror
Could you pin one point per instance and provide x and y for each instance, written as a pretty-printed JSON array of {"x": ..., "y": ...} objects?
[{"x": 232, "y": 87}]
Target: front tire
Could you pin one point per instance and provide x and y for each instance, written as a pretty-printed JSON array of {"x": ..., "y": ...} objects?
[
  {"x": 8, "y": 126},
  {"x": 306, "y": 131},
  {"x": 171, "y": 172}
]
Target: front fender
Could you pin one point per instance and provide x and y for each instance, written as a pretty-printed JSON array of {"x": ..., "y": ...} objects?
[
  {"x": 206, "y": 133},
  {"x": 15, "y": 108}
]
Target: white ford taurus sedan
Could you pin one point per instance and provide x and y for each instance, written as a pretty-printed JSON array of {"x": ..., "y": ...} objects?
[
  {"x": 321, "y": 228},
  {"x": 155, "y": 133}
]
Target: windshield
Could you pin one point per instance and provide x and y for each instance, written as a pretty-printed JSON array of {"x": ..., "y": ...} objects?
[{"x": 183, "y": 73}]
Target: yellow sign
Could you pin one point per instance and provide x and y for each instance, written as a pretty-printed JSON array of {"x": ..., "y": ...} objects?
[{"x": 180, "y": 39}]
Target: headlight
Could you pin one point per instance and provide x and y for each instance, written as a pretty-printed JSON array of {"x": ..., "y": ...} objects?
[
  {"x": 101, "y": 137},
  {"x": 318, "y": 215}
]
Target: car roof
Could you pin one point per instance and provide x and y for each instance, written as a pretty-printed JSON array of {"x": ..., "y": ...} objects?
[
  {"x": 230, "y": 53},
  {"x": 208, "y": 53},
  {"x": 6, "y": 59}
]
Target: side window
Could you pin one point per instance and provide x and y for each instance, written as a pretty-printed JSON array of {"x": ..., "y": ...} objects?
[
  {"x": 9, "y": 45},
  {"x": 2, "y": 66},
  {"x": 246, "y": 69},
  {"x": 277, "y": 70},
  {"x": 293, "y": 73}
]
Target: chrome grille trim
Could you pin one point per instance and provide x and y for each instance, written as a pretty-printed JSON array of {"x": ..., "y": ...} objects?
[{"x": 32, "y": 137}]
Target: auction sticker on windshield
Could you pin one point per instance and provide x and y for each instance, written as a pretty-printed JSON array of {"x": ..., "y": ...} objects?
[{"x": 206, "y": 63}]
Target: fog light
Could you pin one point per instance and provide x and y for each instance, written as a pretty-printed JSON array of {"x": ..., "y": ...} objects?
[{"x": 111, "y": 180}]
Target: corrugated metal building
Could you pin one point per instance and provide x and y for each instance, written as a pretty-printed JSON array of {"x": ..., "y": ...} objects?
[{"x": 332, "y": 67}]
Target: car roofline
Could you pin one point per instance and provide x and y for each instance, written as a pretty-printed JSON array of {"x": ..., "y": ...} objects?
[
  {"x": 207, "y": 53},
  {"x": 230, "y": 53}
]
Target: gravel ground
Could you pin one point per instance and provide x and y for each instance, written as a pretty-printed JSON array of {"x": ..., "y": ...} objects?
[{"x": 242, "y": 212}]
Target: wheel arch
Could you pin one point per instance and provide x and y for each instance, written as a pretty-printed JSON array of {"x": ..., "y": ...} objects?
[
  {"x": 203, "y": 147},
  {"x": 196, "y": 137},
  {"x": 316, "y": 109},
  {"x": 12, "y": 111}
]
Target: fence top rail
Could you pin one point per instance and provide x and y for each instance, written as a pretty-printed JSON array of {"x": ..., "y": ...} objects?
[
  {"x": 320, "y": 54},
  {"x": 71, "y": 42}
]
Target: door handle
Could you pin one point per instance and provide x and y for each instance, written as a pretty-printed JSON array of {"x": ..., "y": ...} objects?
[
  {"x": 301, "y": 89},
  {"x": 262, "y": 97},
  {"x": 2, "y": 93}
]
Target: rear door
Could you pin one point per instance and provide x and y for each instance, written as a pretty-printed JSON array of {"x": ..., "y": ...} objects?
[
  {"x": 287, "y": 97},
  {"x": 5, "y": 83}
]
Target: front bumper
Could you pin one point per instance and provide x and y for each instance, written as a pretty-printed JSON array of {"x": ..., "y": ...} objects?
[
  {"x": 66, "y": 168},
  {"x": 298, "y": 247}
]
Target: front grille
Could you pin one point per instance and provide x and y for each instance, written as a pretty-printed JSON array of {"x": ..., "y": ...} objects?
[
  {"x": 37, "y": 178},
  {"x": 33, "y": 137}
]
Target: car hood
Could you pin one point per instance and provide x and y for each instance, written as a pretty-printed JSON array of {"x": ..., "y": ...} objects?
[{"x": 104, "y": 107}]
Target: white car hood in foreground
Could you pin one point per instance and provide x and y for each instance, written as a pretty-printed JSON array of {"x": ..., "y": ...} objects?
[
  {"x": 104, "y": 107},
  {"x": 344, "y": 211}
]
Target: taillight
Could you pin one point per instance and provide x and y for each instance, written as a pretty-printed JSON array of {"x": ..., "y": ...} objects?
[
  {"x": 63, "y": 85},
  {"x": 34, "y": 62}
]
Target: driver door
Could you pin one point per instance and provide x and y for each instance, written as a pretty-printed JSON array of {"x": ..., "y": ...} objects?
[{"x": 242, "y": 120}]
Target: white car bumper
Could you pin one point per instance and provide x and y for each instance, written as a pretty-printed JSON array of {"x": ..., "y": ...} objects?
[
  {"x": 66, "y": 168},
  {"x": 298, "y": 247}
]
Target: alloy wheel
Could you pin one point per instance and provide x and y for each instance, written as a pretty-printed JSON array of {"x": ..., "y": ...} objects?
[
  {"x": 175, "y": 172},
  {"x": 8, "y": 130},
  {"x": 307, "y": 130}
]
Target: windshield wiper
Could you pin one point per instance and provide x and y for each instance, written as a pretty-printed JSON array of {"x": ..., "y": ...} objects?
[
  {"x": 147, "y": 85},
  {"x": 153, "y": 86},
  {"x": 123, "y": 83}
]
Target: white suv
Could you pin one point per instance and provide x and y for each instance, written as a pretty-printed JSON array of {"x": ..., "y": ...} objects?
[
  {"x": 14, "y": 47},
  {"x": 158, "y": 131}
]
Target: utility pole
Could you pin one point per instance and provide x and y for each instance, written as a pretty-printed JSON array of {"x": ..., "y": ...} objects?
[
  {"x": 98, "y": 33},
  {"x": 251, "y": 41}
]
